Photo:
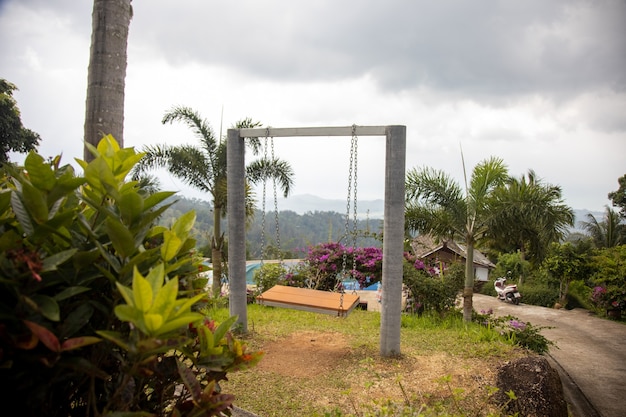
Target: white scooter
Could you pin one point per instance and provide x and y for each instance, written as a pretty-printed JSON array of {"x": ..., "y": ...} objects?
[{"x": 508, "y": 293}]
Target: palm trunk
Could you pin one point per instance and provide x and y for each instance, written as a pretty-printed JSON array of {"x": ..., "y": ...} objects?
[
  {"x": 468, "y": 289},
  {"x": 522, "y": 256},
  {"x": 217, "y": 244},
  {"x": 104, "y": 107}
]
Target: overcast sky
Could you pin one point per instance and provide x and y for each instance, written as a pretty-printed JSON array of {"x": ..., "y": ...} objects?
[{"x": 541, "y": 84}]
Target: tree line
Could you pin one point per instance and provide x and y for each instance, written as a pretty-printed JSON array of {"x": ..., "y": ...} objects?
[{"x": 296, "y": 232}]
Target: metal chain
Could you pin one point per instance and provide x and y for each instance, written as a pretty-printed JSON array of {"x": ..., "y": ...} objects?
[
  {"x": 278, "y": 247},
  {"x": 352, "y": 180},
  {"x": 354, "y": 151},
  {"x": 267, "y": 130}
]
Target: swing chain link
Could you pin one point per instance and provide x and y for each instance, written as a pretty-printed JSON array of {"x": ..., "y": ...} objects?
[
  {"x": 278, "y": 246},
  {"x": 352, "y": 181},
  {"x": 355, "y": 141},
  {"x": 267, "y": 131}
]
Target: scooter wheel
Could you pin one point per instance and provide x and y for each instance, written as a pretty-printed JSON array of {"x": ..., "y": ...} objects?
[{"x": 515, "y": 301}]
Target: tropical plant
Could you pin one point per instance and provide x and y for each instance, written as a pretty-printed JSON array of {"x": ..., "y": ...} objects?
[
  {"x": 95, "y": 319},
  {"x": 204, "y": 168},
  {"x": 435, "y": 204},
  {"x": 106, "y": 75},
  {"x": 606, "y": 233},
  {"x": 566, "y": 263},
  {"x": 618, "y": 197},
  {"x": 526, "y": 216},
  {"x": 608, "y": 268},
  {"x": 13, "y": 135},
  {"x": 430, "y": 291},
  {"x": 515, "y": 331}
]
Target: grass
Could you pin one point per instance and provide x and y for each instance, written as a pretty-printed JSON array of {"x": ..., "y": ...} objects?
[{"x": 319, "y": 365}]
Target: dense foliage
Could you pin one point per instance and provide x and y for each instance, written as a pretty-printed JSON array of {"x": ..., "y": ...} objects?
[
  {"x": 97, "y": 313},
  {"x": 430, "y": 290},
  {"x": 13, "y": 135}
]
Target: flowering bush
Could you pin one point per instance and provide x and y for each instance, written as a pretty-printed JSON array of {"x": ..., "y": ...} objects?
[
  {"x": 428, "y": 290},
  {"x": 516, "y": 331},
  {"x": 326, "y": 260}
]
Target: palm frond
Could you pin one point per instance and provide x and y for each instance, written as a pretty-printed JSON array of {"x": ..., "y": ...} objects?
[{"x": 201, "y": 127}]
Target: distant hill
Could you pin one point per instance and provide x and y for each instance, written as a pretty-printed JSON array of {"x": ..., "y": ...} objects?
[
  {"x": 305, "y": 203},
  {"x": 580, "y": 215},
  {"x": 306, "y": 220}
]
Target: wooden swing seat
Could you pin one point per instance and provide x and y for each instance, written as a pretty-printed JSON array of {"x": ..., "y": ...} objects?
[{"x": 305, "y": 299}]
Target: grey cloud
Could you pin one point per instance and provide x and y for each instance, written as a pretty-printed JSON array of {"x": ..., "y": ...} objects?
[{"x": 480, "y": 48}]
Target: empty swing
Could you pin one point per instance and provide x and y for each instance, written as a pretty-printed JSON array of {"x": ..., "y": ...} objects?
[{"x": 337, "y": 303}]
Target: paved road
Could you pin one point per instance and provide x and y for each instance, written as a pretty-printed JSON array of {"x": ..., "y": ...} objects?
[{"x": 591, "y": 351}]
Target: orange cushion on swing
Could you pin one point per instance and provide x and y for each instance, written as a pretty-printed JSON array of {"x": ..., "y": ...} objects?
[{"x": 314, "y": 301}]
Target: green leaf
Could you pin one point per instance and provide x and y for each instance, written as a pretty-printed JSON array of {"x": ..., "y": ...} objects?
[
  {"x": 153, "y": 322},
  {"x": 127, "y": 313},
  {"x": 99, "y": 176},
  {"x": 165, "y": 300},
  {"x": 154, "y": 199},
  {"x": 179, "y": 322},
  {"x": 156, "y": 277},
  {"x": 39, "y": 173},
  {"x": 35, "y": 202},
  {"x": 9, "y": 240},
  {"x": 47, "y": 306},
  {"x": 142, "y": 292},
  {"x": 122, "y": 239},
  {"x": 5, "y": 200},
  {"x": 171, "y": 245},
  {"x": 127, "y": 294},
  {"x": 76, "y": 320},
  {"x": 131, "y": 206},
  {"x": 50, "y": 263},
  {"x": 184, "y": 224},
  {"x": 114, "y": 337},
  {"x": 221, "y": 330},
  {"x": 70, "y": 292},
  {"x": 184, "y": 304},
  {"x": 21, "y": 214},
  {"x": 207, "y": 340},
  {"x": 110, "y": 258}
]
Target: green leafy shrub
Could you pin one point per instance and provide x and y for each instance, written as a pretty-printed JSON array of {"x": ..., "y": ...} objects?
[
  {"x": 269, "y": 275},
  {"x": 539, "y": 295},
  {"x": 432, "y": 292},
  {"x": 579, "y": 296},
  {"x": 94, "y": 320},
  {"x": 515, "y": 331}
]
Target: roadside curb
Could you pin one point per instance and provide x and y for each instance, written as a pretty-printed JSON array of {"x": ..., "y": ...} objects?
[{"x": 579, "y": 404}]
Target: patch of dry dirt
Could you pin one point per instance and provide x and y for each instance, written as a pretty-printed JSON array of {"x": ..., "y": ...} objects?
[
  {"x": 304, "y": 354},
  {"x": 317, "y": 356}
]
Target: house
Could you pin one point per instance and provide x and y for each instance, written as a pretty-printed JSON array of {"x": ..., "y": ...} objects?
[{"x": 439, "y": 253}]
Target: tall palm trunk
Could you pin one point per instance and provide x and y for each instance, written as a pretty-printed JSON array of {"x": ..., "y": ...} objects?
[
  {"x": 104, "y": 107},
  {"x": 217, "y": 244},
  {"x": 468, "y": 288}
]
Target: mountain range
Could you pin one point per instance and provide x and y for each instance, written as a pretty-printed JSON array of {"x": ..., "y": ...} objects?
[{"x": 374, "y": 209}]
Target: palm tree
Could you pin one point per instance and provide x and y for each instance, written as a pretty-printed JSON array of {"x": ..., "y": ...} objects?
[
  {"x": 609, "y": 232},
  {"x": 527, "y": 215},
  {"x": 104, "y": 107},
  {"x": 437, "y": 205},
  {"x": 204, "y": 168}
]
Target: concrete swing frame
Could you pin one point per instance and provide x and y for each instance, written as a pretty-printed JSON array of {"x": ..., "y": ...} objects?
[{"x": 393, "y": 224}]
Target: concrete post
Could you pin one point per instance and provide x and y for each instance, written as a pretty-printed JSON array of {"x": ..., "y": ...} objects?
[
  {"x": 393, "y": 240},
  {"x": 235, "y": 163}
]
